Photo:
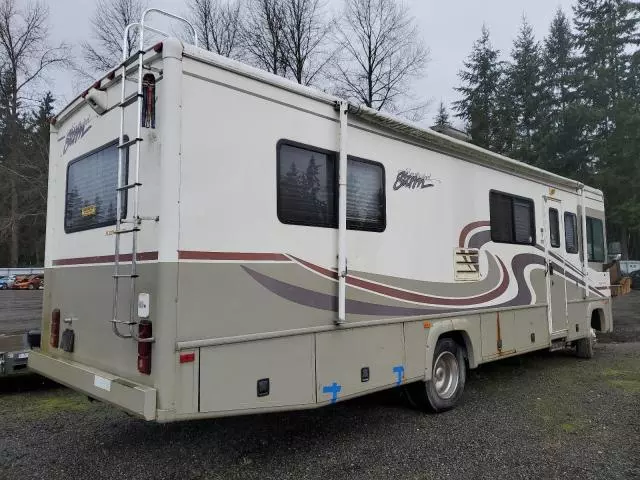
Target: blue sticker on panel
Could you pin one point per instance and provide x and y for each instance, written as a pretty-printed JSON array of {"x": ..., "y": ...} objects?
[
  {"x": 333, "y": 389},
  {"x": 399, "y": 371}
]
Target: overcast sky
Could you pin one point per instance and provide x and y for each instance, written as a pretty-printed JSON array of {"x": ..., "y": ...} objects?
[{"x": 449, "y": 29}]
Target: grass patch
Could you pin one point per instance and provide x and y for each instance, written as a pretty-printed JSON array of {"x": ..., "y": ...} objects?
[
  {"x": 63, "y": 401},
  {"x": 630, "y": 386}
]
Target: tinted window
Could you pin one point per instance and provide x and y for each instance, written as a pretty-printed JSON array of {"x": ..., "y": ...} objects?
[
  {"x": 595, "y": 240},
  {"x": 512, "y": 219},
  {"x": 308, "y": 193},
  {"x": 571, "y": 232},
  {"x": 306, "y": 180},
  {"x": 91, "y": 190},
  {"x": 365, "y": 196},
  {"x": 554, "y": 228}
]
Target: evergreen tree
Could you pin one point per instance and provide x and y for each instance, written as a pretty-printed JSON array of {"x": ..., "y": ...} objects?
[
  {"x": 505, "y": 133},
  {"x": 480, "y": 78},
  {"x": 442, "y": 118},
  {"x": 561, "y": 148},
  {"x": 606, "y": 34},
  {"x": 524, "y": 88}
]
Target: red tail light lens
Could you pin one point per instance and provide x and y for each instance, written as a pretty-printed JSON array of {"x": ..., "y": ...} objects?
[
  {"x": 54, "y": 337},
  {"x": 144, "y": 348}
]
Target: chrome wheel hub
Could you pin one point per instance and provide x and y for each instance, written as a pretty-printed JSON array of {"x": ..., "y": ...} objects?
[{"x": 446, "y": 374}]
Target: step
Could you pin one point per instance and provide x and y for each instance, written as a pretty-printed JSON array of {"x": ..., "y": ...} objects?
[{"x": 557, "y": 345}]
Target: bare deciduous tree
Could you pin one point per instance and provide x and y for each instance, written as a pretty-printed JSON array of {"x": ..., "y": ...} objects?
[
  {"x": 381, "y": 53},
  {"x": 25, "y": 57},
  {"x": 219, "y": 25},
  {"x": 305, "y": 47},
  {"x": 108, "y": 22},
  {"x": 263, "y": 34}
]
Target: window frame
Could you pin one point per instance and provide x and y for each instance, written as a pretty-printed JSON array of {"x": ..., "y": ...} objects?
[
  {"x": 558, "y": 244},
  {"x": 336, "y": 193},
  {"x": 532, "y": 224},
  {"x": 589, "y": 226},
  {"x": 574, "y": 220},
  {"x": 123, "y": 212},
  {"x": 383, "y": 226}
]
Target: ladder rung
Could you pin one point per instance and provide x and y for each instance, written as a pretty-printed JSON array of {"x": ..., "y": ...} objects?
[
  {"x": 132, "y": 59},
  {"x": 128, "y": 187},
  {"x": 151, "y": 69},
  {"x": 140, "y": 219},
  {"x": 123, "y": 322},
  {"x": 128, "y": 143},
  {"x": 125, "y": 275},
  {"x": 126, "y": 230},
  {"x": 130, "y": 99}
]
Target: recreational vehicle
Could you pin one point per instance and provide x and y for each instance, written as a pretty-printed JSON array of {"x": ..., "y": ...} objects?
[{"x": 222, "y": 241}]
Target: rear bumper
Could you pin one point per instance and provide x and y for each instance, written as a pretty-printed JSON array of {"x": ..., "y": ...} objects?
[{"x": 133, "y": 397}]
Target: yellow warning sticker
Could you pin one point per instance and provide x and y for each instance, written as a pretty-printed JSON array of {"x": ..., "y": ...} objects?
[{"x": 89, "y": 211}]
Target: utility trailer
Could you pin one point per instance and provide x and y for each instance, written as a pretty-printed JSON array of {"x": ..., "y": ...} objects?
[{"x": 222, "y": 241}]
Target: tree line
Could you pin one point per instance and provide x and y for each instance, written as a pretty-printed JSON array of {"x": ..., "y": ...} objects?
[{"x": 568, "y": 103}]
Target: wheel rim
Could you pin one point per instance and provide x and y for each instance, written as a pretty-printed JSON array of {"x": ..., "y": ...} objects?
[{"x": 446, "y": 374}]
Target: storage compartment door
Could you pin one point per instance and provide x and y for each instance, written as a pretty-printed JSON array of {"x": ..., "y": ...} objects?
[{"x": 230, "y": 374}]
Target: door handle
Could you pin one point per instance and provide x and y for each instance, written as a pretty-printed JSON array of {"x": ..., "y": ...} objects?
[{"x": 550, "y": 268}]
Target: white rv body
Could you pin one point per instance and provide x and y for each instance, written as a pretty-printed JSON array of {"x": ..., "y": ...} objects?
[{"x": 242, "y": 298}]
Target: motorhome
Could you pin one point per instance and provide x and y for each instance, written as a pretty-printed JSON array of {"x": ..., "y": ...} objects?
[{"x": 222, "y": 241}]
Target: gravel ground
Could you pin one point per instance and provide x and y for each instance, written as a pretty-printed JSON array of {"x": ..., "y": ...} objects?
[{"x": 545, "y": 415}]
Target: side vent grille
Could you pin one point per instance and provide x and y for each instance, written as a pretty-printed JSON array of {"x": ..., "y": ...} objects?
[{"x": 466, "y": 264}]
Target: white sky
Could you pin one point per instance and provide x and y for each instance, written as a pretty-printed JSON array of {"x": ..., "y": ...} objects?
[{"x": 449, "y": 29}]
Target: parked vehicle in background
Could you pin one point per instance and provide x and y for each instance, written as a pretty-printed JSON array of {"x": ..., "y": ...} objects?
[
  {"x": 6, "y": 282},
  {"x": 627, "y": 267},
  {"x": 31, "y": 282},
  {"x": 635, "y": 280}
]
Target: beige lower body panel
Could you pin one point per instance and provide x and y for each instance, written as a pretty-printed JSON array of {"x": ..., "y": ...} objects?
[{"x": 135, "y": 398}]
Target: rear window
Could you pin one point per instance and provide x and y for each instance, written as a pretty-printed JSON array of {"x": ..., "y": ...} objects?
[{"x": 90, "y": 200}]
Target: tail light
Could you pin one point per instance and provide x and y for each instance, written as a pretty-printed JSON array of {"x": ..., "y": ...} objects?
[
  {"x": 144, "y": 348},
  {"x": 54, "y": 337}
]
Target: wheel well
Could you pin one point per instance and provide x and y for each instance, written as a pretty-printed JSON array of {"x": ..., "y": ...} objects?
[
  {"x": 597, "y": 319},
  {"x": 461, "y": 338}
]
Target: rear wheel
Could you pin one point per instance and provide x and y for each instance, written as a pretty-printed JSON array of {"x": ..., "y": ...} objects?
[
  {"x": 584, "y": 347},
  {"x": 448, "y": 377}
]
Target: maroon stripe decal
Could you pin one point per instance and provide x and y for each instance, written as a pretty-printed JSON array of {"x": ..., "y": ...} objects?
[
  {"x": 125, "y": 257},
  {"x": 467, "y": 229},
  {"x": 412, "y": 296},
  {"x": 232, "y": 256}
]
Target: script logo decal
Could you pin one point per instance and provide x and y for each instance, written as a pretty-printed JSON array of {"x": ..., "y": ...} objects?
[
  {"x": 412, "y": 180},
  {"x": 76, "y": 132}
]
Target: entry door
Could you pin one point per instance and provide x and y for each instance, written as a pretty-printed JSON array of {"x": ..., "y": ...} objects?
[{"x": 555, "y": 257}]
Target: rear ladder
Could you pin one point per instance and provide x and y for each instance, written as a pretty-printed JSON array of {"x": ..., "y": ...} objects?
[{"x": 133, "y": 224}]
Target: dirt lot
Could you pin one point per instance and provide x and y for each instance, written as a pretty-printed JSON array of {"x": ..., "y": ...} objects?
[{"x": 547, "y": 415}]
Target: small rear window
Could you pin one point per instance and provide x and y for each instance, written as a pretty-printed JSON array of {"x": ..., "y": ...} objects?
[{"x": 91, "y": 190}]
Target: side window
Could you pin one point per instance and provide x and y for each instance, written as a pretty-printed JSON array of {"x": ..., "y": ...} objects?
[
  {"x": 512, "y": 219},
  {"x": 308, "y": 192},
  {"x": 595, "y": 240},
  {"x": 306, "y": 181},
  {"x": 571, "y": 232},
  {"x": 365, "y": 196},
  {"x": 90, "y": 199},
  {"x": 554, "y": 227}
]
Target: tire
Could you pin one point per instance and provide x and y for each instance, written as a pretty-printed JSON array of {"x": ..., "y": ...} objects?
[
  {"x": 584, "y": 347},
  {"x": 448, "y": 377}
]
